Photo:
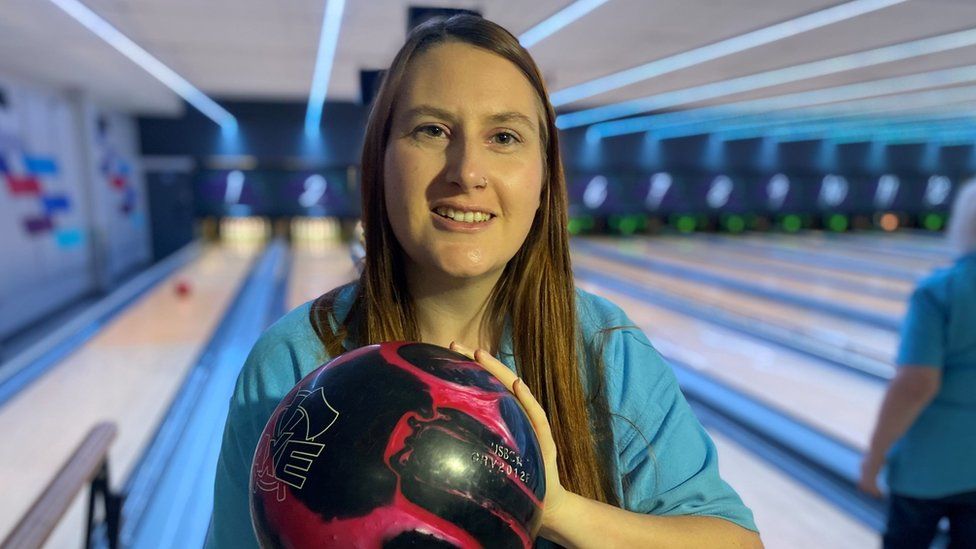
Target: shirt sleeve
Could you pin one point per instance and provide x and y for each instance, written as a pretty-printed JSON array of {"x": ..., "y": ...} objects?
[
  {"x": 231, "y": 520},
  {"x": 270, "y": 371},
  {"x": 923, "y": 332},
  {"x": 667, "y": 463}
]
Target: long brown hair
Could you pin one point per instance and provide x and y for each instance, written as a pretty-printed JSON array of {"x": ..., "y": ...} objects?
[{"x": 535, "y": 290}]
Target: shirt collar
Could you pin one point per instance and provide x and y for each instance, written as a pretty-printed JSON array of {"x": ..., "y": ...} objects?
[{"x": 347, "y": 295}]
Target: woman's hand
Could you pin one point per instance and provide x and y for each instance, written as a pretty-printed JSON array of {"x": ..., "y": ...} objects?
[
  {"x": 556, "y": 495},
  {"x": 870, "y": 467}
]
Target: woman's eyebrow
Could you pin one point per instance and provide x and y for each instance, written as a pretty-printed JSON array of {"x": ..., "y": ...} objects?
[
  {"x": 429, "y": 110},
  {"x": 511, "y": 116},
  {"x": 495, "y": 118}
]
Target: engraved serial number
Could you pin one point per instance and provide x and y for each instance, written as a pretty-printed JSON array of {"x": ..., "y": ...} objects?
[
  {"x": 492, "y": 462},
  {"x": 506, "y": 453}
]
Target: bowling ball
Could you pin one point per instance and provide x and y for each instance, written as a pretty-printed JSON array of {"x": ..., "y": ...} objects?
[
  {"x": 398, "y": 445},
  {"x": 182, "y": 288}
]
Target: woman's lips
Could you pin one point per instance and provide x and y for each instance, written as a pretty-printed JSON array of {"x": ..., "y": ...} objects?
[{"x": 449, "y": 224}]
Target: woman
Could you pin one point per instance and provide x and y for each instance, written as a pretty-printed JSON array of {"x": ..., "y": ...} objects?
[
  {"x": 464, "y": 209},
  {"x": 930, "y": 406}
]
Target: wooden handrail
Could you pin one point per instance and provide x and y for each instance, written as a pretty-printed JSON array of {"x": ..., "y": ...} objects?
[{"x": 81, "y": 469}]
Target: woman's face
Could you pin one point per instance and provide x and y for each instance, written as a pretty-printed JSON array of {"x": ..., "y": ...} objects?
[{"x": 463, "y": 167}]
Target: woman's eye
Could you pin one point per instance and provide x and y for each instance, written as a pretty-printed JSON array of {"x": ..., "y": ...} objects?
[
  {"x": 505, "y": 138},
  {"x": 431, "y": 131}
]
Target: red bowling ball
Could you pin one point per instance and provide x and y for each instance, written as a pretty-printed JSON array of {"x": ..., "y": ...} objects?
[
  {"x": 398, "y": 445},
  {"x": 182, "y": 289}
]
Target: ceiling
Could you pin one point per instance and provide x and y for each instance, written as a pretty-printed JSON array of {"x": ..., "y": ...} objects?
[{"x": 265, "y": 49}]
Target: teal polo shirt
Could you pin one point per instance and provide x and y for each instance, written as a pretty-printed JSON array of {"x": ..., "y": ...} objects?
[
  {"x": 937, "y": 455},
  {"x": 676, "y": 475}
]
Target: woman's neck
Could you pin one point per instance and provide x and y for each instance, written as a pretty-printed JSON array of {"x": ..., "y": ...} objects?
[{"x": 451, "y": 309}]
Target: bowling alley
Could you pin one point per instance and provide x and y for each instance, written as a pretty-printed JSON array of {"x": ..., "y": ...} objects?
[{"x": 487, "y": 274}]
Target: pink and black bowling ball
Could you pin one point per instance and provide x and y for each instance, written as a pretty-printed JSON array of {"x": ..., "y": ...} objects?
[{"x": 398, "y": 445}]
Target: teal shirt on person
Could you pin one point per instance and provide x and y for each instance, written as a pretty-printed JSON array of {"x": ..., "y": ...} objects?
[
  {"x": 937, "y": 455},
  {"x": 678, "y": 475}
]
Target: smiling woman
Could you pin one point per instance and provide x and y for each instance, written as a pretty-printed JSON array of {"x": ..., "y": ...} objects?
[
  {"x": 465, "y": 220},
  {"x": 463, "y": 142}
]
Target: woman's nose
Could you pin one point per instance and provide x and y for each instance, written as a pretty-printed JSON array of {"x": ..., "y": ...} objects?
[{"x": 467, "y": 165}]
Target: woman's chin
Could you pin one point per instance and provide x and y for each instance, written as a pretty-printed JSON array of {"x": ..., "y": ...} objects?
[
  {"x": 461, "y": 269},
  {"x": 465, "y": 272}
]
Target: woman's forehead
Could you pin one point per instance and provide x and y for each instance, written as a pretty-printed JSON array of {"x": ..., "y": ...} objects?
[{"x": 466, "y": 81}]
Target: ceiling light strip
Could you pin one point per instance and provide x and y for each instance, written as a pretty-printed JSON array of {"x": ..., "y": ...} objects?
[
  {"x": 557, "y": 21},
  {"x": 931, "y": 103},
  {"x": 328, "y": 42},
  {"x": 849, "y": 92},
  {"x": 104, "y": 30},
  {"x": 864, "y": 126},
  {"x": 786, "y": 75},
  {"x": 720, "y": 49}
]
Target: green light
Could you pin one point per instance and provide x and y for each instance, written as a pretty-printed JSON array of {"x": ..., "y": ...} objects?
[
  {"x": 575, "y": 225},
  {"x": 629, "y": 224},
  {"x": 686, "y": 224},
  {"x": 837, "y": 223},
  {"x": 933, "y": 222},
  {"x": 792, "y": 223},
  {"x": 735, "y": 223}
]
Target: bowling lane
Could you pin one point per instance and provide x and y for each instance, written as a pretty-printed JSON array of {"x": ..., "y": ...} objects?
[
  {"x": 315, "y": 271},
  {"x": 769, "y": 280},
  {"x": 838, "y": 403},
  {"x": 787, "y": 513},
  {"x": 700, "y": 250},
  {"x": 127, "y": 373},
  {"x": 917, "y": 266},
  {"x": 905, "y": 242},
  {"x": 857, "y": 337},
  {"x": 765, "y": 489}
]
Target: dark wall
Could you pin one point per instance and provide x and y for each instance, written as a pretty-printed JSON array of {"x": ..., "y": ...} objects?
[
  {"x": 273, "y": 133},
  {"x": 171, "y": 211}
]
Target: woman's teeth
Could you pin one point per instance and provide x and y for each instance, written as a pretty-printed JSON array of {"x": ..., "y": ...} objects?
[{"x": 466, "y": 217}]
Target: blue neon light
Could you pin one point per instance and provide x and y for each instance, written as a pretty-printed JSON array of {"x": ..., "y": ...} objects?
[
  {"x": 720, "y": 49},
  {"x": 557, "y": 21},
  {"x": 328, "y": 41},
  {"x": 887, "y": 54},
  {"x": 849, "y": 92},
  {"x": 930, "y": 104},
  {"x": 860, "y": 130},
  {"x": 104, "y": 30}
]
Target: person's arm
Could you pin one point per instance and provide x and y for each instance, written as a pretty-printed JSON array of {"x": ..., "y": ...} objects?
[
  {"x": 588, "y": 523},
  {"x": 909, "y": 393},
  {"x": 575, "y": 521},
  {"x": 921, "y": 356}
]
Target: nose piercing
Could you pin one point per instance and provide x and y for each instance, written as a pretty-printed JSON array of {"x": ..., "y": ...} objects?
[{"x": 484, "y": 179}]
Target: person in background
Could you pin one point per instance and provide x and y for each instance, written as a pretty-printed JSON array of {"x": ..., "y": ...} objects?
[{"x": 926, "y": 429}]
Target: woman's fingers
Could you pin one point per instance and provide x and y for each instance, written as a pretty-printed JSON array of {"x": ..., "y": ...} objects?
[
  {"x": 488, "y": 362},
  {"x": 537, "y": 416},
  {"x": 458, "y": 348}
]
